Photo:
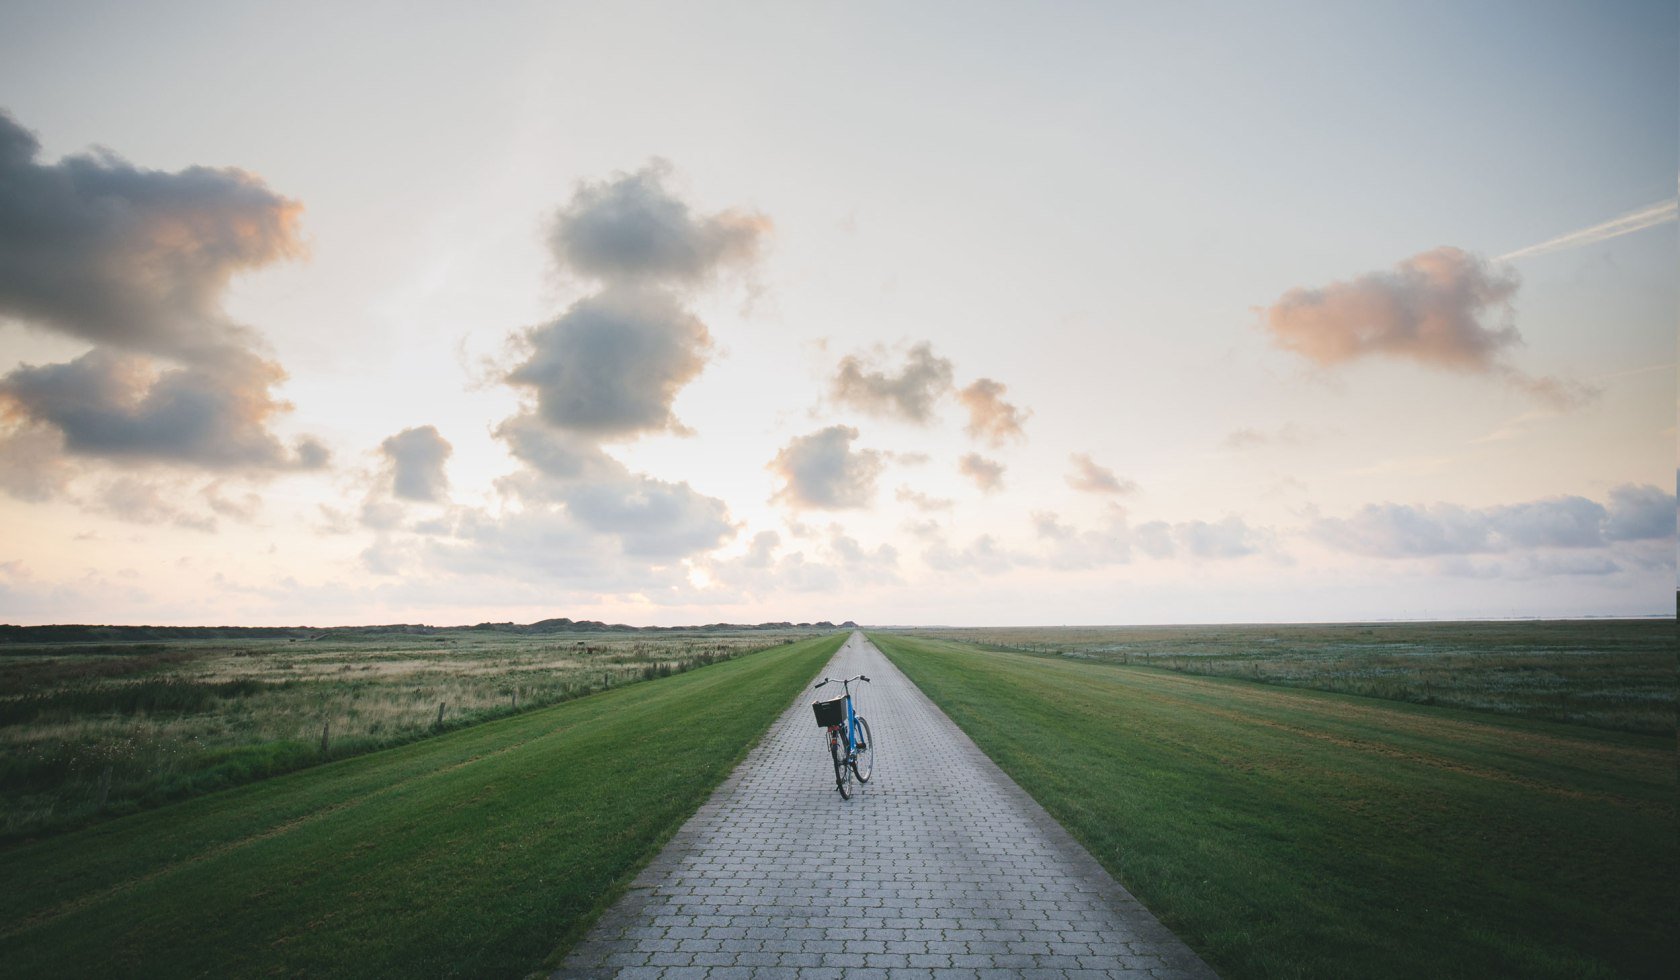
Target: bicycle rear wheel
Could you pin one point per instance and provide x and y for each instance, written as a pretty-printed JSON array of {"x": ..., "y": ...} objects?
[
  {"x": 842, "y": 772},
  {"x": 863, "y": 756}
]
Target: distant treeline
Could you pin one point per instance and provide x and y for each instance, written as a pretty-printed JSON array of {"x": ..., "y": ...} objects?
[{"x": 106, "y": 634}]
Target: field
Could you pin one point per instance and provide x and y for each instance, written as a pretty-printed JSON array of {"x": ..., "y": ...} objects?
[
  {"x": 91, "y": 727},
  {"x": 1613, "y": 674},
  {"x": 1297, "y": 833},
  {"x": 479, "y": 853}
]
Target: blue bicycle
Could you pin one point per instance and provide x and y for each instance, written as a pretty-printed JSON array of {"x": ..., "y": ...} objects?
[{"x": 848, "y": 736}]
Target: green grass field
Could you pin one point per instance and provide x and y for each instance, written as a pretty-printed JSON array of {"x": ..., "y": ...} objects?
[
  {"x": 92, "y": 728},
  {"x": 1296, "y": 833},
  {"x": 479, "y": 853},
  {"x": 1605, "y": 673}
]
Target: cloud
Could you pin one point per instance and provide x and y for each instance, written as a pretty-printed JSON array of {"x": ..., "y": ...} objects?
[
  {"x": 1230, "y": 538},
  {"x": 1288, "y": 434},
  {"x": 136, "y": 263},
  {"x": 140, "y": 502},
  {"x": 550, "y": 452},
  {"x": 822, "y": 471},
  {"x": 987, "y": 474},
  {"x": 922, "y": 501},
  {"x": 611, "y": 366},
  {"x": 1432, "y": 308},
  {"x": 1637, "y": 513},
  {"x": 989, "y": 416},
  {"x": 98, "y": 249},
  {"x": 1640, "y": 513},
  {"x": 416, "y": 458},
  {"x": 117, "y": 406},
  {"x": 631, "y": 228},
  {"x": 243, "y": 508},
  {"x": 1115, "y": 542},
  {"x": 1088, "y": 477},
  {"x": 32, "y": 464},
  {"x": 650, "y": 518},
  {"x": 983, "y": 555},
  {"x": 1429, "y": 309},
  {"x": 910, "y": 394}
]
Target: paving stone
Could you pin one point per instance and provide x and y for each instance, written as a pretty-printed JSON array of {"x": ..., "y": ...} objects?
[{"x": 940, "y": 867}]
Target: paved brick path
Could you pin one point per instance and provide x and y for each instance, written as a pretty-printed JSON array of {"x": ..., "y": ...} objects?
[{"x": 940, "y": 867}]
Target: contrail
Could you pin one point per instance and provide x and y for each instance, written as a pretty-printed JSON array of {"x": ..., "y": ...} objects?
[{"x": 1647, "y": 217}]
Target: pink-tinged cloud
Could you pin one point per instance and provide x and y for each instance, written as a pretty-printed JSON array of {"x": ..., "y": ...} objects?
[
  {"x": 1088, "y": 477},
  {"x": 1430, "y": 308},
  {"x": 1444, "y": 308},
  {"x": 990, "y": 417}
]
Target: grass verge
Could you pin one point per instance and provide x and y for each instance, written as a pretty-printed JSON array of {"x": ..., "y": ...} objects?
[
  {"x": 1292, "y": 833},
  {"x": 471, "y": 854}
]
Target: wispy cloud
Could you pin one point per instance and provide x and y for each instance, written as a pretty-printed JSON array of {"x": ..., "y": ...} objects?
[{"x": 1647, "y": 217}]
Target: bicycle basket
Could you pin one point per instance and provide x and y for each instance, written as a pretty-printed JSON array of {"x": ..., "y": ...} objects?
[{"x": 830, "y": 713}]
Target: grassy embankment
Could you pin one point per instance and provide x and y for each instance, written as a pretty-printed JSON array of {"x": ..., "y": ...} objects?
[
  {"x": 477, "y": 853},
  {"x": 1294, "y": 833},
  {"x": 1606, "y": 673},
  {"x": 90, "y": 729}
]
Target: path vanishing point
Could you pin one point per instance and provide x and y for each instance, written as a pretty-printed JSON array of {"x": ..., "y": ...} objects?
[{"x": 941, "y": 867}]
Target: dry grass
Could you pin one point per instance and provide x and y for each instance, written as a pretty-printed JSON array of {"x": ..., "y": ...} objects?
[{"x": 91, "y": 728}]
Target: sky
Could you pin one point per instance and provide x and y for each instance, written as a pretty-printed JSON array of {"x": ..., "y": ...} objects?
[{"x": 927, "y": 313}]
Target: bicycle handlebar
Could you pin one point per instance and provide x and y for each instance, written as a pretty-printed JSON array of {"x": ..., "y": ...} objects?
[{"x": 842, "y": 680}]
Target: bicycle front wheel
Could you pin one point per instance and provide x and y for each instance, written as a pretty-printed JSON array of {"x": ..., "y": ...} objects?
[
  {"x": 842, "y": 772},
  {"x": 863, "y": 757}
]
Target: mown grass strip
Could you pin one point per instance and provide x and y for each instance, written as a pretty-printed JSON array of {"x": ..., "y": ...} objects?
[
  {"x": 1289, "y": 833},
  {"x": 478, "y": 853}
]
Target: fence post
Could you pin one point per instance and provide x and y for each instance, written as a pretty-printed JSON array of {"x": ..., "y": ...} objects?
[
  {"x": 440, "y": 714},
  {"x": 326, "y": 730}
]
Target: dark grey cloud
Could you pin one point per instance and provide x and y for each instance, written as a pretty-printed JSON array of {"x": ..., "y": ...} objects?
[
  {"x": 136, "y": 262},
  {"x": 1570, "y": 522},
  {"x": 1088, "y": 477},
  {"x": 416, "y": 458},
  {"x": 117, "y": 406},
  {"x": 1444, "y": 308},
  {"x": 632, "y": 228},
  {"x": 908, "y": 394},
  {"x": 990, "y": 417},
  {"x": 96, "y": 248},
  {"x": 987, "y": 474},
  {"x": 822, "y": 471},
  {"x": 611, "y": 366}
]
